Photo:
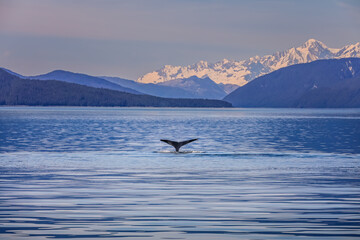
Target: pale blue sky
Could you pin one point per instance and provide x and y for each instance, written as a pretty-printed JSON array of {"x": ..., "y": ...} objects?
[{"x": 128, "y": 38}]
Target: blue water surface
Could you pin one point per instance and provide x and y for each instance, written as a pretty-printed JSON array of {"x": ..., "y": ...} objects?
[{"x": 100, "y": 173}]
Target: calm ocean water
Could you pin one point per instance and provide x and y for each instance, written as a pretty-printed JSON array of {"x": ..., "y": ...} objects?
[{"x": 102, "y": 173}]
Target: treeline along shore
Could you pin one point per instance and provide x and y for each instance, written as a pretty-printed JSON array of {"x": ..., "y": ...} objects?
[{"x": 17, "y": 91}]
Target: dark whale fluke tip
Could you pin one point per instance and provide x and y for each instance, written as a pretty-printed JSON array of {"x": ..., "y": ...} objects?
[{"x": 178, "y": 145}]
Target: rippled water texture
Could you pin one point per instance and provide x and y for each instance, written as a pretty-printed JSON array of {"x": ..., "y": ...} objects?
[{"x": 100, "y": 173}]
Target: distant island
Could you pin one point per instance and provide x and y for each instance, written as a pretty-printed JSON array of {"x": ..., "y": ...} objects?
[{"x": 17, "y": 91}]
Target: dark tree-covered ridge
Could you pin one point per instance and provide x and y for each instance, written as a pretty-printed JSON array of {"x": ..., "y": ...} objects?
[{"x": 17, "y": 91}]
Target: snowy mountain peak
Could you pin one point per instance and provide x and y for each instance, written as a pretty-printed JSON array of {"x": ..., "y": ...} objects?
[
  {"x": 225, "y": 61},
  {"x": 313, "y": 42},
  {"x": 313, "y": 46},
  {"x": 243, "y": 71},
  {"x": 349, "y": 51},
  {"x": 201, "y": 65}
]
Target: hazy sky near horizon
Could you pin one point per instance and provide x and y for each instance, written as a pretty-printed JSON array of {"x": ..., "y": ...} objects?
[{"x": 128, "y": 38}]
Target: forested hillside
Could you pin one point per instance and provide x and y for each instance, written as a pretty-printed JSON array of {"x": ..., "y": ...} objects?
[{"x": 17, "y": 91}]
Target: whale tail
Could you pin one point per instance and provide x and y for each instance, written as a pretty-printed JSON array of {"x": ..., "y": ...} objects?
[{"x": 178, "y": 145}]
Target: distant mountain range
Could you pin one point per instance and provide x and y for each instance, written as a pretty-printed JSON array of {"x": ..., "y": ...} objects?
[
  {"x": 323, "y": 83},
  {"x": 204, "y": 80},
  {"x": 318, "y": 83},
  {"x": 199, "y": 87},
  {"x": 241, "y": 72},
  {"x": 192, "y": 87},
  {"x": 82, "y": 79},
  {"x": 15, "y": 90}
]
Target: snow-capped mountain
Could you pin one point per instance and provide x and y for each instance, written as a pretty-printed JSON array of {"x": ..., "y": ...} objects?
[
  {"x": 323, "y": 83},
  {"x": 243, "y": 71},
  {"x": 199, "y": 87}
]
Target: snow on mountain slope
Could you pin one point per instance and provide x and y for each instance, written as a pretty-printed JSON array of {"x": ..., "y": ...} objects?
[
  {"x": 243, "y": 71},
  {"x": 199, "y": 87}
]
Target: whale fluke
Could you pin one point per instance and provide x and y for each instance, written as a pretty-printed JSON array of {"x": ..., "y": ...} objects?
[{"x": 178, "y": 145}]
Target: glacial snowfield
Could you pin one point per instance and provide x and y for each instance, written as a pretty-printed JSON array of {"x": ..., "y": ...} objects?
[{"x": 242, "y": 71}]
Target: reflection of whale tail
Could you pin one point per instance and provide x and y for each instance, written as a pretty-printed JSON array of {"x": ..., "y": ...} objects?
[{"x": 178, "y": 145}]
